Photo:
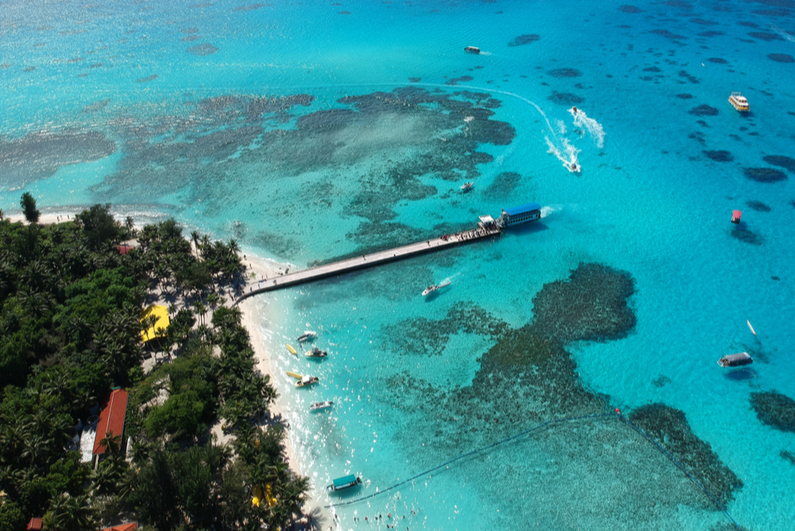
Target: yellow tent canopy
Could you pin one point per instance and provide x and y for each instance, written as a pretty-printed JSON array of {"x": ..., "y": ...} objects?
[{"x": 159, "y": 328}]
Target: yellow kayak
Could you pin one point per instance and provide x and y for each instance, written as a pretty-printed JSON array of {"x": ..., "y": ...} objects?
[
  {"x": 291, "y": 349},
  {"x": 294, "y": 375}
]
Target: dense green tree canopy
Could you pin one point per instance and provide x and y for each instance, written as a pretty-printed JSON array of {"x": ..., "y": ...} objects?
[{"x": 70, "y": 331}]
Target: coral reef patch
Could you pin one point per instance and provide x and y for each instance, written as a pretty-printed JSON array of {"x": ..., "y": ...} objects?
[
  {"x": 775, "y": 410},
  {"x": 787, "y": 163},
  {"x": 670, "y": 428},
  {"x": 521, "y": 40},
  {"x": 720, "y": 155},
  {"x": 39, "y": 155},
  {"x": 764, "y": 175}
]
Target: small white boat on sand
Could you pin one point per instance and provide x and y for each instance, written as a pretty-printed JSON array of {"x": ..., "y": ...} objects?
[
  {"x": 306, "y": 336},
  {"x": 317, "y": 406},
  {"x": 433, "y": 287}
]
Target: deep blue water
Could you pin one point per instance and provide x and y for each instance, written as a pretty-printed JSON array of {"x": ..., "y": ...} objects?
[{"x": 311, "y": 131}]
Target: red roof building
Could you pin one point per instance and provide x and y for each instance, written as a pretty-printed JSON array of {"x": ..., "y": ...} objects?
[
  {"x": 111, "y": 419},
  {"x": 123, "y": 527},
  {"x": 123, "y": 249},
  {"x": 35, "y": 524}
]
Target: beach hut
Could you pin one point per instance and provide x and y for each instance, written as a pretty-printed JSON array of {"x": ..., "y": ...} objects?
[{"x": 111, "y": 421}]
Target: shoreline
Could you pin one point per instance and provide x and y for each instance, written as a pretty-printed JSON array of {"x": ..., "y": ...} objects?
[{"x": 251, "y": 318}]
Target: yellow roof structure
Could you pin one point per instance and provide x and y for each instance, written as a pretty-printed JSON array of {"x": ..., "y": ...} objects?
[{"x": 159, "y": 328}]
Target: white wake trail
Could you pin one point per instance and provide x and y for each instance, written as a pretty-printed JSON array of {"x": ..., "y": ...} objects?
[{"x": 593, "y": 127}]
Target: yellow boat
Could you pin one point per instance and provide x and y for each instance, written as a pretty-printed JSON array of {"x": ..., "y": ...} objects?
[
  {"x": 294, "y": 375},
  {"x": 291, "y": 349}
]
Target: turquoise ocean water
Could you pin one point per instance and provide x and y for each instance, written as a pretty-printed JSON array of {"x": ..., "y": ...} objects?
[{"x": 311, "y": 131}]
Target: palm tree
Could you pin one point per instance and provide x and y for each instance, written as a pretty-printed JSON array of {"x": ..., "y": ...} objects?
[
  {"x": 70, "y": 513},
  {"x": 201, "y": 309},
  {"x": 111, "y": 442},
  {"x": 28, "y": 204},
  {"x": 195, "y": 236}
]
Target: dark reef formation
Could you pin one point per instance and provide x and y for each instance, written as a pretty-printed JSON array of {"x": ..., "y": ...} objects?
[
  {"x": 764, "y": 175},
  {"x": 781, "y": 161},
  {"x": 720, "y": 155},
  {"x": 704, "y": 110},
  {"x": 521, "y": 40},
  {"x": 775, "y": 410},
  {"x": 223, "y": 142},
  {"x": 528, "y": 376},
  {"x": 669, "y": 427},
  {"x": 39, "y": 155},
  {"x": 590, "y": 306},
  {"x": 758, "y": 206}
]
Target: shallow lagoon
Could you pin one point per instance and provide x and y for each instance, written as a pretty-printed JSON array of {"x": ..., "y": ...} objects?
[{"x": 311, "y": 132}]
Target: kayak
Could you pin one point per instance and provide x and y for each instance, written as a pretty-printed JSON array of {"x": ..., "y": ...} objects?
[{"x": 291, "y": 349}]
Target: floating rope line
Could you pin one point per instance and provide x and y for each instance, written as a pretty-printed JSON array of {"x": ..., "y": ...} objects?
[
  {"x": 681, "y": 467},
  {"x": 617, "y": 415}
]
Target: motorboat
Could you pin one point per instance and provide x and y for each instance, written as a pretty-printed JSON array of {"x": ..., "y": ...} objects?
[
  {"x": 574, "y": 167},
  {"x": 433, "y": 287},
  {"x": 574, "y": 111},
  {"x": 736, "y": 216},
  {"x": 306, "y": 381},
  {"x": 317, "y": 406},
  {"x": 736, "y": 360},
  {"x": 467, "y": 187},
  {"x": 739, "y": 102},
  {"x": 345, "y": 482},
  {"x": 472, "y": 49},
  {"x": 316, "y": 353},
  {"x": 307, "y": 336}
]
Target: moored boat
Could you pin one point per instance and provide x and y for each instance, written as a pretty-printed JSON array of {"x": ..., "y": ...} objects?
[
  {"x": 433, "y": 287},
  {"x": 467, "y": 187},
  {"x": 317, "y": 406},
  {"x": 316, "y": 353},
  {"x": 736, "y": 360},
  {"x": 472, "y": 49},
  {"x": 306, "y": 336},
  {"x": 344, "y": 482},
  {"x": 736, "y": 216},
  {"x": 306, "y": 381},
  {"x": 739, "y": 102}
]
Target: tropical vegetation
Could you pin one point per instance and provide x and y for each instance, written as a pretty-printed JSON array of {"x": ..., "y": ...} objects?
[{"x": 70, "y": 332}]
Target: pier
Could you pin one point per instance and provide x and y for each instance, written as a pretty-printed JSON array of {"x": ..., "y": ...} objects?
[{"x": 483, "y": 231}]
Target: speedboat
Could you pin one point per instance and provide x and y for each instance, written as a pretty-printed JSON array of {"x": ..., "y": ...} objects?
[
  {"x": 472, "y": 49},
  {"x": 345, "y": 482},
  {"x": 316, "y": 353},
  {"x": 306, "y": 381},
  {"x": 317, "y": 406},
  {"x": 306, "y": 336},
  {"x": 433, "y": 287},
  {"x": 467, "y": 187},
  {"x": 736, "y": 360},
  {"x": 574, "y": 111},
  {"x": 574, "y": 167},
  {"x": 739, "y": 102}
]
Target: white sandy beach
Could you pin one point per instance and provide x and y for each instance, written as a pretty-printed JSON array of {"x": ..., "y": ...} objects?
[{"x": 256, "y": 269}]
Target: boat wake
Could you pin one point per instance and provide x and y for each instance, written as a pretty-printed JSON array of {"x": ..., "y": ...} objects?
[
  {"x": 593, "y": 127},
  {"x": 566, "y": 153}
]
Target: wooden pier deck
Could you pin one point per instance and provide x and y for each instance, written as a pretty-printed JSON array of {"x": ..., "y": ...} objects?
[{"x": 366, "y": 261}]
